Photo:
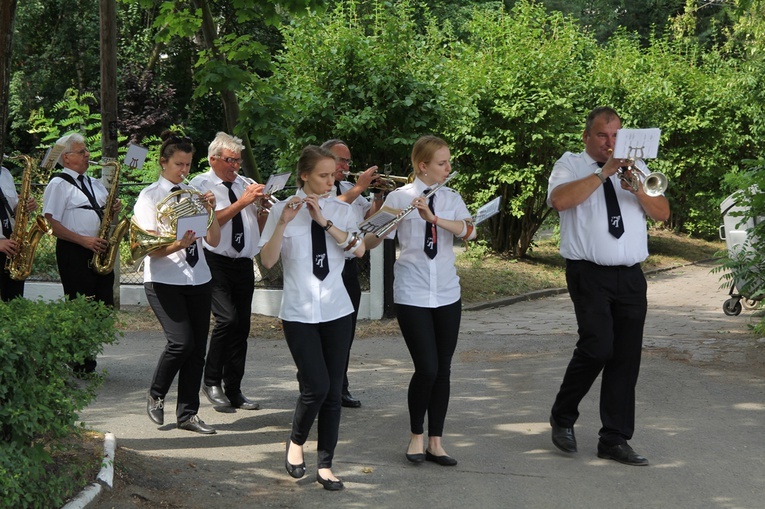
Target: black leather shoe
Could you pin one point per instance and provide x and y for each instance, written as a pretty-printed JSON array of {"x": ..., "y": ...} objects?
[
  {"x": 416, "y": 458},
  {"x": 240, "y": 401},
  {"x": 296, "y": 471},
  {"x": 622, "y": 453},
  {"x": 196, "y": 425},
  {"x": 563, "y": 438},
  {"x": 156, "y": 409},
  {"x": 444, "y": 461},
  {"x": 215, "y": 394},
  {"x": 349, "y": 401},
  {"x": 329, "y": 484}
]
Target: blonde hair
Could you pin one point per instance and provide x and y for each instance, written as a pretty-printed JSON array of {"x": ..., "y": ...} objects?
[
  {"x": 309, "y": 158},
  {"x": 423, "y": 150}
]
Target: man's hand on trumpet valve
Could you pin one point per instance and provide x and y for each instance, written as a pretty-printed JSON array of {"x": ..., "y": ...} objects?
[
  {"x": 253, "y": 193},
  {"x": 367, "y": 177}
]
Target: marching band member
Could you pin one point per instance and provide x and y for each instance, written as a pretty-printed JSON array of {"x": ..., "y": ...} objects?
[
  {"x": 9, "y": 201},
  {"x": 426, "y": 291},
  {"x": 178, "y": 288},
  {"x": 311, "y": 232}
]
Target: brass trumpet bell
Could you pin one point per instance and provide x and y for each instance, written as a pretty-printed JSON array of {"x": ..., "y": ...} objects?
[{"x": 654, "y": 184}]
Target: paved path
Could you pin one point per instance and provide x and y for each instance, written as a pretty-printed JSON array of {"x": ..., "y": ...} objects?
[{"x": 700, "y": 413}]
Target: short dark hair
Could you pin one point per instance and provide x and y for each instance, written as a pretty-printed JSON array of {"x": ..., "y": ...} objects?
[
  {"x": 610, "y": 113},
  {"x": 172, "y": 143}
]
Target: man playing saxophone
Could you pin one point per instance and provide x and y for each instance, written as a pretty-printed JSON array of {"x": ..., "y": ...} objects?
[
  {"x": 73, "y": 205},
  {"x": 9, "y": 203}
]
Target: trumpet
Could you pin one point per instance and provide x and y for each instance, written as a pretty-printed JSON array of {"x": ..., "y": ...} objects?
[
  {"x": 654, "y": 184},
  {"x": 260, "y": 204},
  {"x": 385, "y": 181}
]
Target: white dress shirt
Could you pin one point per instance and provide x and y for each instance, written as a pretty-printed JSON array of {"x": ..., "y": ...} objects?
[
  {"x": 9, "y": 190},
  {"x": 360, "y": 205},
  {"x": 211, "y": 182},
  {"x": 306, "y": 298},
  {"x": 584, "y": 229},
  {"x": 419, "y": 280},
  {"x": 173, "y": 268},
  {"x": 65, "y": 202}
]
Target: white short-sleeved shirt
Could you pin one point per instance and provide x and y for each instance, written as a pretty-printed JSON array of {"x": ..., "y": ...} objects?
[
  {"x": 584, "y": 229},
  {"x": 360, "y": 205},
  {"x": 173, "y": 268},
  {"x": 9, "y": 190},
  {"x": 305, "y": 298},
  {"x": 211, "y": 182},
  {"x": 65, "y": 203},
  {"x": 419, "y": 280}
]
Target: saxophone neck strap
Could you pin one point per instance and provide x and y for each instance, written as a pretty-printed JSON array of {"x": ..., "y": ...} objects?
[{"x": 92, "y": 199}]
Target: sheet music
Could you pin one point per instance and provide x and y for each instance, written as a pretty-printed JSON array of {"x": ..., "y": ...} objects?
[
  {"x": 276, "y": 182},
  {"x": 379, "y": 219},
  {"x": 637, "y": 143},
  {"x": 51, "y": 157},
  {"x": 136, "y": 156},
  {"x": 486, "y": 211},
  {"x": 196, "y": 223}
]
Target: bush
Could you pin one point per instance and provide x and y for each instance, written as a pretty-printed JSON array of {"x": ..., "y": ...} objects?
[{"x": 39, "y": 395}]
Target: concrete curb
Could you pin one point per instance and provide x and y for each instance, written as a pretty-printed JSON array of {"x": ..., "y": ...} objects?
[{"x": 105, "y": 477}]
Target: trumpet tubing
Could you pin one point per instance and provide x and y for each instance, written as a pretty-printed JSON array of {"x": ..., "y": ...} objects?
[{"x": 384, "y": 181}]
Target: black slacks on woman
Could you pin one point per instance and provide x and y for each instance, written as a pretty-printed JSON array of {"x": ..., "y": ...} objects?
[
  {"x": 184, "y": 313},
  {"x": 320, "y": 351},
  {"x": 610, "y": 305},
  {"x": 431, "y": 337}
]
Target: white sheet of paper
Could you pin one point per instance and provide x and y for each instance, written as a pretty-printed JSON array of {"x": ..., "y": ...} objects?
[
  {"x": 379, "y": 219},
  {"x": 136, "y": 155},
  {"x": 197, "y": 223},
  {"x": 486, "y": 211},
  {"x": 51, "y": 157},
  {"x": 637, "y": 143},
  {"x": 276, "y": 182}
]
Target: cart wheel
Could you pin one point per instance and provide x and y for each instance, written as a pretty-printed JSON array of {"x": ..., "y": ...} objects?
[
  {"x": 750, "y": 304},
  {"x": 732, "y": 307}
]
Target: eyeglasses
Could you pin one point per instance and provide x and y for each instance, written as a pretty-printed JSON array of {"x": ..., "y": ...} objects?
[
  {"x": 349, "y": 162},
  {"x": 231, "y": 160},
  {"x": 79, "y": 152}
]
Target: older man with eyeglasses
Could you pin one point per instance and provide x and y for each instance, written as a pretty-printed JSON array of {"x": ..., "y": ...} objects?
[
  {"x": 230, "y": 263},
  {"x": 74, "y": 207}
]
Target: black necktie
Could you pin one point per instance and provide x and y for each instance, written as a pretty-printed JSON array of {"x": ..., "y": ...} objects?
[
  {"x": 337, "y": 187},
  {"x": 319, "y": 251},
  {"x": 192, "y": 256},
  {"x": 91, "y": 197},
  {"x": 431, "y": 247},
  {"x": 5, "y": 216},
  {"x": 237, "y": 225},
  {"x": 615, "y": 223}
]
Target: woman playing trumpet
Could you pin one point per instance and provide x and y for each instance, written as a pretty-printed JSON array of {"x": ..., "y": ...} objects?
[
  {"x": 426, "y": 291},
  {"x": 177, "y": 284},
  {"x": 311, "y": 233}
]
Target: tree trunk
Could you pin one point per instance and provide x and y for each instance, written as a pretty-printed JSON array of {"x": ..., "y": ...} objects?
[{"x": 7, "y": 16}]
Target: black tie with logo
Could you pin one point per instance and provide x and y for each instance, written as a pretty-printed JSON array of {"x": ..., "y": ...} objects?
[
  {"x": 192, "y": 256},
  {"x": 319, "y": 251},
  {"x": 237, "y": 225},
  {"x": 615, "y": 223},
  {"x": 431, "y": 246},
  {"x": 5, "y": 216}
]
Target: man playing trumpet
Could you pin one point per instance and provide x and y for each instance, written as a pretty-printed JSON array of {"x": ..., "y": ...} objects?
[
  {"x": 604, "y": 240},
  {"x": 230, "y": 262}
]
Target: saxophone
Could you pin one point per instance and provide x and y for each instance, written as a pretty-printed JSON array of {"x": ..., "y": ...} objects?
[
  {"x": 20, "y": 266},
  {"x": 103, "y": 263}
]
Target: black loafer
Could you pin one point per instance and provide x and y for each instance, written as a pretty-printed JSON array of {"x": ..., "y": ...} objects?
[
  {"x": 444, "y": 461},
  {"x": 622, "y": 453},
  {"x": 349, "y": 401},
  {"x": 296, "y": 471},
  {"x": 416, "y": 458},
  {"x": 240, "y": 401},
  {"x": 196, "y": 425},
  {"x": 215, "y": 394},
  {"x": 329, "y": 484},
  {"x": 155, "y": 408},
  {"x": 563, "y": 438}
]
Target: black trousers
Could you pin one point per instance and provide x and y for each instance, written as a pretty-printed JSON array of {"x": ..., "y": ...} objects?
[
  {"x": 610, "y": 305},
  {"x": 9, "y": 288},
  {"x": 320, "y": 351},
  {"x": 184, "y": 313},
  {"x": 233, "y": 283},
  {"x": 431, "y": 337},
  {"x": 352, "y": 286}
]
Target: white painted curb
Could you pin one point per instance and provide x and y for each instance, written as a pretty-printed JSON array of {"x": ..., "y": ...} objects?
[{"x": 105, "y": 477}]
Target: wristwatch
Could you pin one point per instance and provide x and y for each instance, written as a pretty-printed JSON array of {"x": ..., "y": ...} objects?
[
  {"x": 599, "y": 173},
  {"x": 328, "y": 225}
]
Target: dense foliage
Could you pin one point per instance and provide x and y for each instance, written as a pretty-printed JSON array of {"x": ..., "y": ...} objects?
[{"x": 39, "y": 396}]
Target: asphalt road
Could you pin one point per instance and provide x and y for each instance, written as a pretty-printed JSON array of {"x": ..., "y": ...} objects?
[{"x": 700, "y": 412}]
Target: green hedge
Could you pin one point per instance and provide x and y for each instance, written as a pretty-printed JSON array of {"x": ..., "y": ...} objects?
[{"x": 39, "y": 394}]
